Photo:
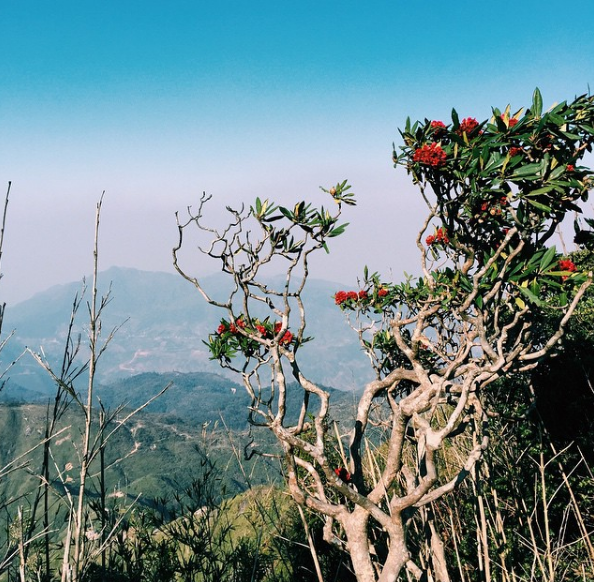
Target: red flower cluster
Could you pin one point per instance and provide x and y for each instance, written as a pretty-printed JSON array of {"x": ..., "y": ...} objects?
[
  {"x": 570, "y": 167},
  {"x": 239, "y": 323},
  {"x": 567, "y": 265},
  {"x": 287, "y": 336},
  {"x": 343, "y": 474},
  {"x": 361, "y": 297},
  {"x": 467, "y": 126},
  {"x": 438, "y": 127},
  {"x": 430, "y": 155},
  {"x": 515, "y": 151},
  {"x": 440, "y": 236},
  {"x": 341, "y": 296}
]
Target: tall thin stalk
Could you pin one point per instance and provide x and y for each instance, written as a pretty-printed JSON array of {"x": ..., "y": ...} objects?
[
  {"x": 94, "y": 332},
  {"x": 2, "y": 228}
]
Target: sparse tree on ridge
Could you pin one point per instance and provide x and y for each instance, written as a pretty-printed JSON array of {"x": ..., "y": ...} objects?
[{"x": 495, "y": 191}]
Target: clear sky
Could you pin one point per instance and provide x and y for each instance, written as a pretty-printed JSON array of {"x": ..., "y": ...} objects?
[{"x": 156, "y": 101}]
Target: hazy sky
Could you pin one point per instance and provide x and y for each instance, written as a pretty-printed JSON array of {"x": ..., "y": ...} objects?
[{"x": 156, "y": 101}]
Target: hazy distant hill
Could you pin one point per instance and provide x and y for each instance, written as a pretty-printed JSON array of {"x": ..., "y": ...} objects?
[{"x": 163, "y": 322}]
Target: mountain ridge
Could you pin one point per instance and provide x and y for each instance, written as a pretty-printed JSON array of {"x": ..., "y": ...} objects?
[{"x": 162, "y": 322}]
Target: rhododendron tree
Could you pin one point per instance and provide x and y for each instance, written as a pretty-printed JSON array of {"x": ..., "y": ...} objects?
[{"x": 495, "y": 193}]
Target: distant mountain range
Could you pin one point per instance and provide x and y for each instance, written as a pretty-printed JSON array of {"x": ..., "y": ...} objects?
[{"x": 163, "y": 322}]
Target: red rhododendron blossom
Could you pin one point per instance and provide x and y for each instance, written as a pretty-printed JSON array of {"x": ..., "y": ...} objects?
[
  {"x": 515, "y": 151},
  {"x": 442, "y": 236},
  {"x": 430, "y": 155},
  {"x": 570, "y": 167},
  {"x": 287, "y": 338},
  {"x": 340, "y": 297},
  {"x": 278, "y": 326},
  {"x": 240, "y": 323},
  {"x": 232, "y": 328},
  {"x": 221, "y": 329},
  {"x": 438, "y": 127},
  {"x": 567, "y": 265},
  {"x": 467, "y": 126},
  {"x": 343, "y": 474},
  {"x": 261, "y": 329},
  {"x": 382, "y": 292}
]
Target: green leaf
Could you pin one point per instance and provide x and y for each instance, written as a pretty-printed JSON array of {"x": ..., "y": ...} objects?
[
  {"x": 485, "y": 154},
  {"x": 496, "y": 161},
  {"x": 548, "y": 258},
  {"x": 527, "y": 170},
  {"x": 455, "y": 120},
  {"x": 556, "y": 119},
  {"x": 338, "y": 230},
  {"x": 532, "y": 298},
  {"x": 570, "y": 135},
  {"x": 544, "y": 163},
  {"x": 538, "y": 205},
  {"x": 539, "y": 191},
  {"x": 286, "y": 212},
  {"x": 537, "y": 103},
  {"x": 557, "y": 172}
]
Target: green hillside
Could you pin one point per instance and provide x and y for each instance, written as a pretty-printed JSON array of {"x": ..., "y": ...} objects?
[{"x": 159, "y": 449}]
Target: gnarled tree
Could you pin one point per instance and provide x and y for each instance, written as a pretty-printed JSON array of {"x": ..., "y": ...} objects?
[{"x": 496, "y": 193}]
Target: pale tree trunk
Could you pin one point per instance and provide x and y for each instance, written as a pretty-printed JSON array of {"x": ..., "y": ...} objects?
[
  {"x": 358, "y": 545},
  {"x": 397, "y": 557},
  {"x": 356, "y": 529},
  {"x": 438, "y": 555}
]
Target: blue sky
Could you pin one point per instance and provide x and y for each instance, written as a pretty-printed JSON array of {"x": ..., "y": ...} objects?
[{"x": 155, "y": 102}]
